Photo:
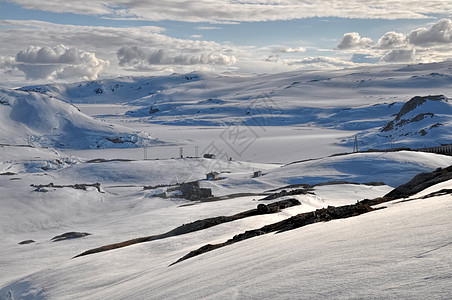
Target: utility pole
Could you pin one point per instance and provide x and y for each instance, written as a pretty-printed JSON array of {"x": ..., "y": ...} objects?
[
  {"x": 181, "y": 152},
  {"x": 196, "y": 151},
  {"x": 145, "y": 152},
  {"x": 355, "y": 146}
]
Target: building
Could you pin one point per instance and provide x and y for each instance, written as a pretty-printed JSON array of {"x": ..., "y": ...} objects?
[
  {"x": 209, "y": 155},
  {"x": 257, "y": 174},
  {"x": 213, "y": 176}
]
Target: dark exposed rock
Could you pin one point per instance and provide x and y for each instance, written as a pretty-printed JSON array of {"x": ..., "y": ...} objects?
[
  {"x": 153, "y": 110},
  {"x": 421, "y": 182},
  {"x": 102, "y": 160},
  {"x": 119, "y": 140},
  {"x": 410, "y": 106},
  {"x": 26, "y": 242},
  {"x": 198, "y": 225},
  {"x": 77, "y": 186},
  {"x": 286, "y": 193},
  {"x": 320, "y": 215},
  {"x": 69, "y": 236},
  {"x": 8, "y": 173}
]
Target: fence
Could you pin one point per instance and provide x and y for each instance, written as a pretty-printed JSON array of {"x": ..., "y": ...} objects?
[{"x": 447, "y": 149}]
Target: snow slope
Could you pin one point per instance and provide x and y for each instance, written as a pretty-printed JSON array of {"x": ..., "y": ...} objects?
[
  {"x": 397, "y": 252},
  {"x": 37, "y": 119},
  {"x": 421, "y": 122}
]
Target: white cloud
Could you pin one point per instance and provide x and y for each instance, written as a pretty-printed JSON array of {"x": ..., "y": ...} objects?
[
  {"x": 272, "y": 58},
  {"x": 196, "y": 36},
  {"x": 290, "y": 50},
  {"x": 105, "y": 42},
  {"x": 399, "y": 55},
  {"x": 391, "y": 40},
  {"x": 322, "y": 62},
  {"x": 421, "y": 45},
  {"x": 7, "y": 64},
  {"x": 353, "y": 40},
  {"x": 208, "y": 28},
  {"x": 140, "y": 56},
  {"x": 219, "y": 11},
  {"x": 438, "y": 33},
  {"x": 53, "y": 63}
]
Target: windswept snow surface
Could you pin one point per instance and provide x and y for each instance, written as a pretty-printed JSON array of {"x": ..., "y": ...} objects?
[{"x": 398, "y": 252}]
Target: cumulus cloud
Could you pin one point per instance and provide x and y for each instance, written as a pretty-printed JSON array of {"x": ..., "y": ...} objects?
[
  {"x": 421, "y": 45},
  {"x": 52, "y": 63},
  {"x": 391, "y": 40},
  {"x": 7, "y": 64},
  {"x": 353, "y": 40},
  {"x": 223, "y": 11},
  {"x": 399, "y": 55},
  {"x": 140, "y": 56},
  {"x": 107, "y": 41},
  {"x": 439, "y": 33}
]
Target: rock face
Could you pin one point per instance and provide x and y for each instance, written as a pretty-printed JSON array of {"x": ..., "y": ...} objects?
[
  {"x": 69, "y": 236},
  {"x": 421, "y": 182}
]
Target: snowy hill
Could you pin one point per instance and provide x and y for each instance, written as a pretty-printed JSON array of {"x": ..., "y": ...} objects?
[
  {"x": 38, "y": 119},
  {"x": 120, "y": 90},
  {"x": 421, "y": 122},
  {"x": 395, "y": 248}
]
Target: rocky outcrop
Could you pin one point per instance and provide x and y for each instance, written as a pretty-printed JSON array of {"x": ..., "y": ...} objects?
[
  {"x": 26, "y": 242},
  {"x": 285, "y": 193},
  {"x": 420, "y": 182},
  {"x": 200, "y": 225},
  {"x": 320, "y": 215},
  {"x": 410, "y": 106},
  {"x": 77, "y": 186},
  {"x": 69, "y": 236}
]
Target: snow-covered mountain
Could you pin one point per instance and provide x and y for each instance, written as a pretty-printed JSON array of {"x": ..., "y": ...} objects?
[
  {"x": 118, "y": 90},
  {"x": 361, "y": 100},
  {"x": 41, "y": 120},
  {"x": 421, "y": 122}
]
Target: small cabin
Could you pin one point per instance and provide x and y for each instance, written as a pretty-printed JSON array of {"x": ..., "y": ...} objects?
[
  {"x": 257, "y": 174},
  {"x": 209, "y": 155},
  {"x": 213, "y": 176}
]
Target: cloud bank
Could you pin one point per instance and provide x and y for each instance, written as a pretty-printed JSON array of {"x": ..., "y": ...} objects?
[
  {"x": 230, "y": 11},
  {"x": 140, "y": 56},
  {"x": 55, "y": 63}
]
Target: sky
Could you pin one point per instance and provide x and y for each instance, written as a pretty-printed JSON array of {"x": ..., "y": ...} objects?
[{"x": 46, "y": 41}]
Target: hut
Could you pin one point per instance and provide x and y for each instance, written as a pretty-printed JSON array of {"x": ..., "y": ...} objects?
[
  {"x": 213, "y": 176},
  {"x": 257, "y": 174},
  {"x": 209, "y": 155}
]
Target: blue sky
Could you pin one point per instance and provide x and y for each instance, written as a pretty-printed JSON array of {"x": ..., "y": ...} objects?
[{"x": 58, "y": 40}]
